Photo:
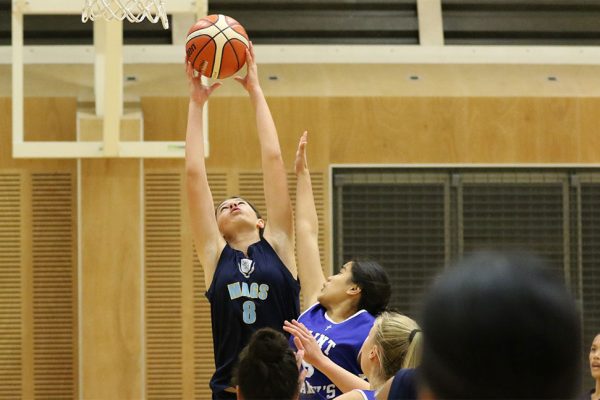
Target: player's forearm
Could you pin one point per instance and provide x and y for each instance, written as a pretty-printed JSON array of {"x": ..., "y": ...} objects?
[
  {"x": 344, "y": 380},
  {"x": 194, "y": 140},
  {"x": 267, "y": 132},
  {"x": 307, "y": 220}
]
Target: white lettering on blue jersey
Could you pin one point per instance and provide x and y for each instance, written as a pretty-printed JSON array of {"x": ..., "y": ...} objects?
[{"x": 254, "y": 291}]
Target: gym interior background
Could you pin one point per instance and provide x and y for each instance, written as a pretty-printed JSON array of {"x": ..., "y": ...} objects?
[{"x": 478, "y": 130}]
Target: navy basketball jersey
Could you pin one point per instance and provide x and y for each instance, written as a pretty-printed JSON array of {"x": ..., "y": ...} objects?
[
  {"x": 340, "y": 341},
  {"x": 246, "y": 294},
  {"x": 404, "y": 385},
  {"x": 367, "y": 394}
]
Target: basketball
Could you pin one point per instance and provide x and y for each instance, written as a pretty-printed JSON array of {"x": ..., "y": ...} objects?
[{"x": 220, "y": 41}]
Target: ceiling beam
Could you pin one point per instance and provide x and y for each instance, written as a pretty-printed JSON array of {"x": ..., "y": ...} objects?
[{"x": 330, "y": 54}]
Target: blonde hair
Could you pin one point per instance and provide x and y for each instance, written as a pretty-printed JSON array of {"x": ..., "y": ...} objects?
[{"x": 399, "y": 341}]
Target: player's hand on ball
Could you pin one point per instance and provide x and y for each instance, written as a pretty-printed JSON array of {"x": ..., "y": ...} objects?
[
  {"x": 199, "y": 92},
  {"x": 250, "y": 81}
]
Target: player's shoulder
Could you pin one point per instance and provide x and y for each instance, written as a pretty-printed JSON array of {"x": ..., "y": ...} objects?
[
  {"x": 361, "y": 317},
  {"x": 315, "y": 309}
]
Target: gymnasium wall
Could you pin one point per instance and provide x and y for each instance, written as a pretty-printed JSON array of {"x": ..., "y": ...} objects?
[{"x": 132, "y": 320}]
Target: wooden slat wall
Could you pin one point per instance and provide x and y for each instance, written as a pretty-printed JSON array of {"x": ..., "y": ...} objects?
[
  {"x": 11, "y": 298},
  {"x": 343, "y": 130},
  {"x": 163, "y": 285},
  {"x": 54, "y": 286}
]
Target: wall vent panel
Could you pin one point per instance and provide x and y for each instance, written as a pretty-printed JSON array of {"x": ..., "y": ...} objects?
[
  {"x": 163, "y": 285},
  {"x": 11, "y": 346},
  {"x": 54, "y": 286}
]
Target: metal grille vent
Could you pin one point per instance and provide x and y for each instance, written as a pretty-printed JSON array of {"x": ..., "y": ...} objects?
[
  {"x": 516, "y": 216},
  {"x": 515, "y": 22},
  {"x": 401, "y": 225}
]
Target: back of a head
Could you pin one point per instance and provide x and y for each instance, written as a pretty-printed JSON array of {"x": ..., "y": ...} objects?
[
  {"x": 374, "y": 283},
  {"x": 267, "y": 368},
  {"x": 500, "y": 326},
  {"x": 399, "y": 339}
]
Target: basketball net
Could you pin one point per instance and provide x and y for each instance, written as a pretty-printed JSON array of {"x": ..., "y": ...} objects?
[{"x": 133, "y": 10}]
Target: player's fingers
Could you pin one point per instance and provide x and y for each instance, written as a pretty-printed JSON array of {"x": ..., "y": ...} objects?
[
  {"x": 299, "y": 345},
  {"x": 203, "y": 67},
  {"x": 214, "y": 86},
  {"x": 292, "y": 329},
  {"x": 299, "y": 357},
  {"x": 300, "y": 326},
  {"x": 297, "y": 333},
  {"x": 302, "y": 375},
  {"x": 249, "y": 56}
]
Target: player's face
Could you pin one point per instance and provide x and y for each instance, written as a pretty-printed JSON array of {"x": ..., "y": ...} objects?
[
  {"x": 233, "y": 213},
  {"x": 336, "y": 286},
  {"x": 366, "y": 356},
  {"x": 595, "y": 358}
]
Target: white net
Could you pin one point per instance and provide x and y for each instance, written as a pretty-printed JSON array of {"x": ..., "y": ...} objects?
[{"x": 132, "y": 10}]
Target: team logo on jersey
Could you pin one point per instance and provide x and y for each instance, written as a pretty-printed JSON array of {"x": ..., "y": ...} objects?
[{"x": 246, "y": 267}]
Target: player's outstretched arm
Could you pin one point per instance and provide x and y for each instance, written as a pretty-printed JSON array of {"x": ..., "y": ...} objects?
[
  {"x": 207, "y": 238},
  {"x": 310, "y": 270},
  {"x": 280, "y": 225}
]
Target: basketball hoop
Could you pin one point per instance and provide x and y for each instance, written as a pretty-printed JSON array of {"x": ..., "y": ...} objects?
[{"x": 133, "y": 10}]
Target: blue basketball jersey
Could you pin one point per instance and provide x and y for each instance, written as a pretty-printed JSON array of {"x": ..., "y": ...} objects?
[
  {"x": 341, "y": 342},
  {"x": 246, "y": 294},
  {"x": 367, "y": 394}
]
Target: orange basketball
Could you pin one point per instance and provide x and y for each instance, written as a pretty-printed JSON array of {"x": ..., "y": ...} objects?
[{"x": 219, "y": 40}]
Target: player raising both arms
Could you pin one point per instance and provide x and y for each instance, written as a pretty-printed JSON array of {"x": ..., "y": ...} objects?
[{"x": 249, "y": 266}]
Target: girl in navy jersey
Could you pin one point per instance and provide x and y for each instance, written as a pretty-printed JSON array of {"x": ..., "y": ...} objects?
[
  {"x": 342, "y": 307},
  {"x": 249, "y": 266}
]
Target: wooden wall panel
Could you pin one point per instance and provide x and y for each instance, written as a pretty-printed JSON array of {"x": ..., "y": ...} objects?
[
  {"x": 342, "y": 130},
  {"x": 54, "y": 286},
  {"x": 48, "y": 361},
  {"x": 111, "y": 279},
  {"x": 163, "y": 284},
  {"x": 11, "y": 286}
]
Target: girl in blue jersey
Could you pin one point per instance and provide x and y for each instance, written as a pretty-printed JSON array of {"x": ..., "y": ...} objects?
[
  {"x": 249, "y": 267},
  {"x": 394, "y": 343},
  {"x": 342, "y": 307}
]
